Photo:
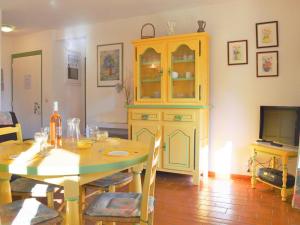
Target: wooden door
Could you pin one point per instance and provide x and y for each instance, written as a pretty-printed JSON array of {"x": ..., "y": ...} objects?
[
  {"x": 149, "y": 74},
  {"x": 179, "y": 147}
]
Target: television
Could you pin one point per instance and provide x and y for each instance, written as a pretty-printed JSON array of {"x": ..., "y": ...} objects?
[{"x": 280, "y": 124}]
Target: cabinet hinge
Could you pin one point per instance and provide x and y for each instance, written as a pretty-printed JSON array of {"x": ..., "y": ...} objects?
[
  {"x": 200, "y": 92},
  {"x": 135, "y": 93},
  {"x": 200, "y": 48}
]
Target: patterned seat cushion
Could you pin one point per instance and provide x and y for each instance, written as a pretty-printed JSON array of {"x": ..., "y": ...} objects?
[
  {"x": 35, "y": 188},
  {"x": 115, "y": 179},
  {"x": 118, "y": 204},
  {"x": 26, "y": 212}
]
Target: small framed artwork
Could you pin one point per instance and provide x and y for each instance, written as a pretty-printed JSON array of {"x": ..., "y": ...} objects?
[
  {"x": 267, "y": 34},
  {"x": 73, "y": 59},
  {"x": 267, "y": 64},
  {"x": 237, "y": 52},
  {"x": 109, "y": 65}
]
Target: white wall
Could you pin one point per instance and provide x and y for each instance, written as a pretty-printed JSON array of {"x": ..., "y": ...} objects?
[
  {"x": 69, "y": 94},
  {"x": 0, "y": 55},
  {"x": 55, "y": 86},
  {"x": 6, "y": 62},
  {"x": 236, "y": 93}
]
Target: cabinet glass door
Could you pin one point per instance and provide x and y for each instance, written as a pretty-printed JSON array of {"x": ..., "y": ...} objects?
[
  {"x": 150, "y": 75},
  {"x": 182, "y": 72}
]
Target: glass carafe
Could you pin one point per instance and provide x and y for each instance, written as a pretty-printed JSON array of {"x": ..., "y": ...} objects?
[{"x": 73, "y": 132}]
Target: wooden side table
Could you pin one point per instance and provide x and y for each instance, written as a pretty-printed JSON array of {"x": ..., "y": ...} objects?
[{"x": 284, "y": 153}]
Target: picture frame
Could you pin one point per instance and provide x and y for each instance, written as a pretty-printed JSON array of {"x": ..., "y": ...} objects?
[
  {"x": 237, "y": 52},
  {"x": 267, "y": 34},
  {"x": 267, "y": 64},
  {"x": 109, "y": 65},
  {"x": 73, "y": 67}
]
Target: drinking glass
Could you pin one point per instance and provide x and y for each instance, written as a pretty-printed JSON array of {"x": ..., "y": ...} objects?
[
  {"x": 39, "y": 138},
  {"x": 101, "y": 135},
  {"x": 73, "y": 131},
  {"x": 91, "y": 132}
]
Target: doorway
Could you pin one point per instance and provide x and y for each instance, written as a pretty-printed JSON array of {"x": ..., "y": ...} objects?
[{"x": 27, "y": 91}]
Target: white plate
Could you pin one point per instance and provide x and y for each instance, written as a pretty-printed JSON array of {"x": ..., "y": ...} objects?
[{"x": 118, "y": 153}]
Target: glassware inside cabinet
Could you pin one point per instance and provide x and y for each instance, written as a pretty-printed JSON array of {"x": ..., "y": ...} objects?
[
  {"x": 150, "y": 74},
  {"x": 182, "y": 73}
]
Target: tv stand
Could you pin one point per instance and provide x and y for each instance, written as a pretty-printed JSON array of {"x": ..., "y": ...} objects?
[{"x": 284, "y": 152}]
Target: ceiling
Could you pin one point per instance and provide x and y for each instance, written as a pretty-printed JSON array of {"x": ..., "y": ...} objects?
[{"x": 33, "y": 15}]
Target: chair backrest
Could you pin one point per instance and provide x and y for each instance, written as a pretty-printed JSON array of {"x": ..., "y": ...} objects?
[
  {"x": 12, "y": 130},
  {"x": 149, "y": 181}
]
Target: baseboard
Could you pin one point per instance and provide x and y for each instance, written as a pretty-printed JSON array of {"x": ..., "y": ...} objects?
[{"x": 232, "y": 176}]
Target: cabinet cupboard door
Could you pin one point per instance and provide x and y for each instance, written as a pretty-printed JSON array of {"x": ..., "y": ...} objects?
[
  {"x": 149, "y": 72},
  {"x": 179, "y": 146},
  {"x": 183, "y": 68},
  {"x": 145, "y": 134}
]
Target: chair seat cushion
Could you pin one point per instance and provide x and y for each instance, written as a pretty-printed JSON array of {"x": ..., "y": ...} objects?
[
  {"x": 26, "y": 212},
  {"x": 33, "y": 187},
  {"x": 118, "y": 204},
  {"x": 115, "y": 179}
]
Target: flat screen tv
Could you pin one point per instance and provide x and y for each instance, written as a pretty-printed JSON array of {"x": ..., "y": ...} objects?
[{"x": 280, "y": 124}]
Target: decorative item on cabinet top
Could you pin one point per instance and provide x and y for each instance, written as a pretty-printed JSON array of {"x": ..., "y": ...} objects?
[
  {"x": 201, "y": 25},
  {"x": 143, "y": 36}
]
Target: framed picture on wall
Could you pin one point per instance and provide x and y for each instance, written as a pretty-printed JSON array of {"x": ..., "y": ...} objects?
[
  {"x": 237, "y": 52},
  {"x": 109, "y": 65},
  {"x": 73, "y": 59},
  {"x": 267, "y": 64},
  {"x": 267, "y": 34}
]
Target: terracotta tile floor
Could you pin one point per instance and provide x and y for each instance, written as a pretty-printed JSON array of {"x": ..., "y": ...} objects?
[{"x": 217, "y": 201}]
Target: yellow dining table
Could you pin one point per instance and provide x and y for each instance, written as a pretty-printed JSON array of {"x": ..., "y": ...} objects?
[{"x": 71, "y": 167}]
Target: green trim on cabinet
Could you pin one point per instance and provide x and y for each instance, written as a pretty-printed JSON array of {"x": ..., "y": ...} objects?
[
  {"x": 25, "y": 54},
  {"x": 72, "y": 199},
  {"x": 168, "y": 106}
]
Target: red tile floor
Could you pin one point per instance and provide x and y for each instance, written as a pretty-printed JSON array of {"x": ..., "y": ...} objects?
[{"x": 219, "y": 201}]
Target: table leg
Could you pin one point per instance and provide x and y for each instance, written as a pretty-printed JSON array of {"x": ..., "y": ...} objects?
[
  {"x": 284, "y": 178},
  {"x": 72, "y": 198},
  {"x": 5, "y": 192},
  {"x": 136, "y": 185},
  {"x": 253, "y": 178}
]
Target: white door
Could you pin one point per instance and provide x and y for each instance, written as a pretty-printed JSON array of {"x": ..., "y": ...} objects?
[{"x": 27, "y": 87}]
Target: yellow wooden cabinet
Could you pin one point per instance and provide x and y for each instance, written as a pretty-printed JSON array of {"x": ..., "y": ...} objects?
[{"x": 171, "y": 93}]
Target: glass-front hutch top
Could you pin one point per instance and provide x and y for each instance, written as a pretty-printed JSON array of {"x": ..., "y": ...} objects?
[
  {"x": 150, "y": 74},
  {"x": 182, "y": 73}
]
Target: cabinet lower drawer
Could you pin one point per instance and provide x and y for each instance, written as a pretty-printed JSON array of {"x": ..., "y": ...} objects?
[
  {"x": 184, "y": 117},
  {"x": 154, "y": 116}
]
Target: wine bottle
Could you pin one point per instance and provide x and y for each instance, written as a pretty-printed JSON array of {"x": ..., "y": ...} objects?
[{"x": 55, "y": 127}]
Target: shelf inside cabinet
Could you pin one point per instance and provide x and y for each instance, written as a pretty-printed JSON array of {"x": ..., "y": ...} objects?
[
  {"x": 184, "y": 61},
  {"x": 183, "y": 79},
  {"x": 156, "y": 63},
  {"x": 151, "y": 80}
]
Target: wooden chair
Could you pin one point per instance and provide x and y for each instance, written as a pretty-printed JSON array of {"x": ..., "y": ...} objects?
[
  {"x": 128, "y": 207},
  {"x": 109, "y": 183},
  {"x": 25, "y": 187},
  {"x": 28, "y": 211}
]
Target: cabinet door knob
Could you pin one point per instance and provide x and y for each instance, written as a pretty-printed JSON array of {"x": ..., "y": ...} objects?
[{"x": 145, "y": 117}]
